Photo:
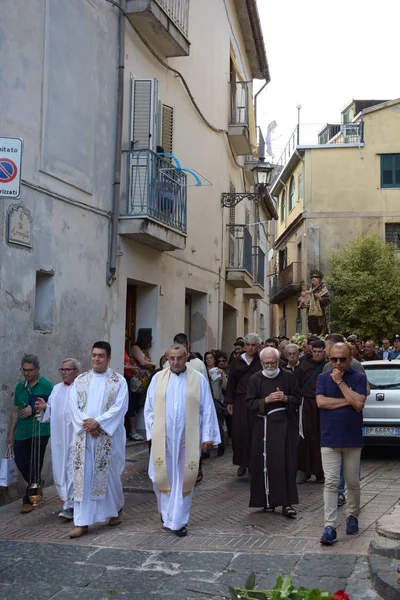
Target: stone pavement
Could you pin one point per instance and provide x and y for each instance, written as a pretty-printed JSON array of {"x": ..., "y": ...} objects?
[{"x": 226, "y": 540}]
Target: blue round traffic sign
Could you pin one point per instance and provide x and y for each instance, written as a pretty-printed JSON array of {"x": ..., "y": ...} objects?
[{"x": 8, "y": 170}]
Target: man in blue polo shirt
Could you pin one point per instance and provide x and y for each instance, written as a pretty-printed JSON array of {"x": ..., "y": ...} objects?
[{"x": 341, "y": 396}]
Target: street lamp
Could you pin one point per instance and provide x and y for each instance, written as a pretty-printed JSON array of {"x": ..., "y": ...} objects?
[
  {"x": 263, "y": 171},
  {"x": 298, "y": 106}
]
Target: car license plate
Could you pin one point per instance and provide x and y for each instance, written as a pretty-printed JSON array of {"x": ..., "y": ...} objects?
[{"x": 382, "y": 431}]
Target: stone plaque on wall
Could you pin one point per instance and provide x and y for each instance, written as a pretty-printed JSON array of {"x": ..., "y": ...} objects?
[{"x": 19, "y": 225}]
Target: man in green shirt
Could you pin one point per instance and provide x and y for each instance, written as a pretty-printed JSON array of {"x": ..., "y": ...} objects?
[{"x": 28, "y": 436}]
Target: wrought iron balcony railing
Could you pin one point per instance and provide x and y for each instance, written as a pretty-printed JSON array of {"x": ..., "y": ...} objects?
[
  {"x": 314, "y": 134},
  {"x": 286, "y": 283},
  {"x": 156, "y": 190},
  {"x": 240, "y": 249}
]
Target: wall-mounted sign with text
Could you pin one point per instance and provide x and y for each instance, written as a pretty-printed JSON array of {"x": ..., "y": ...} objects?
[
  {"x": 10, "y": 167},
  {"x": 19, "y": 225}
]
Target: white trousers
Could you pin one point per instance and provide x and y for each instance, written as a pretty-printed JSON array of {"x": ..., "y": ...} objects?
[{"x": 331, "y": 460}]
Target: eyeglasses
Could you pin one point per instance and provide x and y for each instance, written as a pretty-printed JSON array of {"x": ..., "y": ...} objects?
[
  {"x": 66, "y": 370},
  {"x": 27, "y": 370},
  {"x": 341, "y": 359}
]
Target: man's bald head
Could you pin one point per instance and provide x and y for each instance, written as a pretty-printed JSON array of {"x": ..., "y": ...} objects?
[
  {"x": 340, "y": 356},
  {"x": 343, "y": 347},
  {"x": 269, "y": 354}
]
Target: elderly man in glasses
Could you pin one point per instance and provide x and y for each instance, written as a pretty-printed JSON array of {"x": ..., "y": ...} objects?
[
  {"x": 56, "y": 411},
  {"x": 24, "y": 432},
  {"x": 341, "y": 395}
]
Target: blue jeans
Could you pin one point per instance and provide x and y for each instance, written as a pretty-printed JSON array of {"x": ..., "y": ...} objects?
[{"x": 341, "y": 480}]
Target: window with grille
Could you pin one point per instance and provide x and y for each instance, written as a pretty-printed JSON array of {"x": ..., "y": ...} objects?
[
  {"x": 392, "y": 234},
  {"x": 390, "y": 170},
  {"x": 167, "y": 128},
  {"x": 300, "y": 186}
]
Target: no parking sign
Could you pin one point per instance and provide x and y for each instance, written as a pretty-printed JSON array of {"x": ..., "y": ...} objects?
[{"x": 10, "y": 167}]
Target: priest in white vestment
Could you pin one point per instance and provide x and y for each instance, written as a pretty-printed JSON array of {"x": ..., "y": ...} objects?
[
  {"x": 180, "y": 420},
  {"x": 56, "y": 411},
  {"x": 99, "y": 401}
]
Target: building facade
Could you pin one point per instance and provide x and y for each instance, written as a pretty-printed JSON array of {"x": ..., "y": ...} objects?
[
  {"x": 344, "y": 185},
  {"x": 134, "y": 126}
]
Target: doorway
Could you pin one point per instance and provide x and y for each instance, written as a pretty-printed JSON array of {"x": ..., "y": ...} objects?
[
  {"x": 229, "y": 327},
  {"x": 196, "y": 319},
  {"x": 130, "y": 318}
]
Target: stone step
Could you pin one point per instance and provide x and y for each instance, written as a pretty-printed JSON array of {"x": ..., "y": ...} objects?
[
  {"x": 387, "y": 533},
  {"x": 384, "y": 576}
]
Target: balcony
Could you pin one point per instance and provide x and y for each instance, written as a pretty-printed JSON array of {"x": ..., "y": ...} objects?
[
  {"x": 164, "y": 23},
  {"x": 286, "y": 283},
  {"x": 318, "y": 134},
  {"x": 239, "y": 121},
  {"x": 257, "y": 289},
  {"x": 155, "y": 212},
  {"x": 239, "y": 270}
]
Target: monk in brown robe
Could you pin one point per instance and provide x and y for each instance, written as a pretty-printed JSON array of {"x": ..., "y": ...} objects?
[
  {"x": 273, "y": 395},
  {"x": 243, "y": 367},
  {"x": 309, "y": 461}
]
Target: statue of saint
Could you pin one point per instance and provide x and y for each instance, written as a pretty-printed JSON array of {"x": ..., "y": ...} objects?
[{"x": 314, "y": 301}]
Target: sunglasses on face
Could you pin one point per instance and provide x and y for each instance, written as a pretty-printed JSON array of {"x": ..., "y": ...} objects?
[{"x": 341, "y": 359}]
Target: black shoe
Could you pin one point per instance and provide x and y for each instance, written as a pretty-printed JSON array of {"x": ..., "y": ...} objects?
[
  {"x": 182, "y": 532},
  {"x": 341, "y": 499},
  {"x": 221, "y": 449},
  {"x": 241, "y": 471},
  {"x": 320, "y": 478},
  {"x": 302, "y": 477}
]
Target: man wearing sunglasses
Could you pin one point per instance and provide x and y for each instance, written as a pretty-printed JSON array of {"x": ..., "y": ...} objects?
[
  {"x": 341, "y": 395},
  {"x": 56, "y": 412}
]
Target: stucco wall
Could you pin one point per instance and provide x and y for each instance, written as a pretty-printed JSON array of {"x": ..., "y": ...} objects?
[
  {"x": 201, "y": 266},
  {"x": 58, "y": 83}
]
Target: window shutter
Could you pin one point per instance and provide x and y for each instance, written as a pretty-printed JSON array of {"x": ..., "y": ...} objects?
[
  {"x": 144, "y": 99},
  {"x": 167, "y": 128}
]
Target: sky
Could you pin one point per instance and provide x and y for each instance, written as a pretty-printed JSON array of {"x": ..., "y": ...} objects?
[{"x": 322, "y": 54}]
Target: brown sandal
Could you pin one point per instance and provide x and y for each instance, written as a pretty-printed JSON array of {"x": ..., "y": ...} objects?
[
  {"x": 199, "y": 476},
  {"x": 269, "y": 509},
  {"x": 288, "y": 511}
]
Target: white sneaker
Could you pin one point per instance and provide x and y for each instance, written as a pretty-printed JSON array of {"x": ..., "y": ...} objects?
[
  {"x": 136, "y": 437},
  {"x": 67, "y": 514}
]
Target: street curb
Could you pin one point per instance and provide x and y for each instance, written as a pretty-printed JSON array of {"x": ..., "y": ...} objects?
[
  {"x": 375, "y": 548},
  {"x": 384, "y": 576},
  {"x": 384, "y": 553}
]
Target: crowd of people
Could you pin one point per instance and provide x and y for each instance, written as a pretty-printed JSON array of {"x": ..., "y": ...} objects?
[{"x": 290, "y": 413}]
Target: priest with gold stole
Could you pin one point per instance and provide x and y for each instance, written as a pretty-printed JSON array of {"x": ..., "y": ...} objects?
[{"x": 180, "y": 422}]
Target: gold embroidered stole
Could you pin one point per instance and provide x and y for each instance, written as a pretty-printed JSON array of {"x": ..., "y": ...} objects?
[
  {"x": 192, "y": 431},
  {"x": 104, "y": 441}
]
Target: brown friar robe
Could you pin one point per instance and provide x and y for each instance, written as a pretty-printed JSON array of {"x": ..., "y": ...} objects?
[
  {"x": 309, "y": 460},
  {"x": 242, "y": 418},
  {"x": 275, "y": 438}
]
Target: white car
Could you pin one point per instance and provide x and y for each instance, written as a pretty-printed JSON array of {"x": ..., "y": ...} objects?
[{"x": 381, "y": 415}]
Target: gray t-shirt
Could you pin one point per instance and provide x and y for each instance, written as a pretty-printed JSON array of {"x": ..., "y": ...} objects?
[{"x": 357, "y": 366}]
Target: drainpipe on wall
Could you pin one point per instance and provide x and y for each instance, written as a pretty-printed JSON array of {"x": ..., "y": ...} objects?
[
  {"x": 112, "y": 251},
  {"x": 255, "y": 101}
]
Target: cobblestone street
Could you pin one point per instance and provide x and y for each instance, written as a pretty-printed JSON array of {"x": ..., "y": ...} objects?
[{"x": 226, "y": 540}]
